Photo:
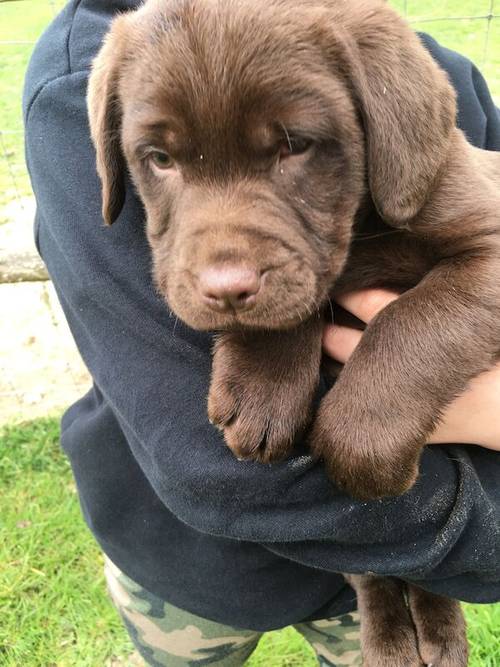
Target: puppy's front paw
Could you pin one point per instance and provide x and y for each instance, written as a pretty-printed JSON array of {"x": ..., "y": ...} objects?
[
  {"x": 263, "y": 387},
  {"x": 362, "y": 455},
  {"x": 259, "y": 422}
]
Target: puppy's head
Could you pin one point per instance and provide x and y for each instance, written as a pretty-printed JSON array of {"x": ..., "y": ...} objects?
[{"x": 255, "y": 131}]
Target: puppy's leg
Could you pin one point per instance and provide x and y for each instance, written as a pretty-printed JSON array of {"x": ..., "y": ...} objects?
[
  {"x": 387, "y": 632},
  {"x": 262, "y": 388},
  {"x": 415, "y": 357},
  {"x": 440, "y": 626}
]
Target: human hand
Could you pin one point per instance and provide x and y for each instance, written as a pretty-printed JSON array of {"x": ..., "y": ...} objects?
[{"x": 472, "y": 418}]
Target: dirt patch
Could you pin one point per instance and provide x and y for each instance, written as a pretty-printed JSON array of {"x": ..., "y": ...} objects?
[{"x": 40, "y": 368}]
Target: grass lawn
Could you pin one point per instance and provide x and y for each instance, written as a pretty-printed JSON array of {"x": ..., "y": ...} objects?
[
  {"x": 20, "y": 21},
  {"x": 24, "y": 20},
  {"x": 55, "y": 612}
]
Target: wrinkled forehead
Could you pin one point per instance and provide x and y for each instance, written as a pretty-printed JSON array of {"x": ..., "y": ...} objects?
[{"x": 223, "y": 66}]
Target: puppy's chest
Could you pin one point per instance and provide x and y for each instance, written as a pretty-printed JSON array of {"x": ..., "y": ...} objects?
[{"x": 386, "y": 258}]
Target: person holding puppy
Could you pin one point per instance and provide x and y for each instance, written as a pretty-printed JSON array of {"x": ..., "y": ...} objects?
[{"x": 204, "y": 553}]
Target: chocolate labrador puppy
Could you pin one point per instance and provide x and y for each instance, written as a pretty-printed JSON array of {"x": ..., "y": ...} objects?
[{"x": 286, "y": 151}]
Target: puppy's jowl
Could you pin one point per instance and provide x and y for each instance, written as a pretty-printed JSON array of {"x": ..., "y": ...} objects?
[{"x": 269, "y": 140}]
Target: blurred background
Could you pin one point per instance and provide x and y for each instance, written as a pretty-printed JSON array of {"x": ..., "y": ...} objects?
[
  {"x": 40, "y": 369},
  {"x": 54, "y": 609}
]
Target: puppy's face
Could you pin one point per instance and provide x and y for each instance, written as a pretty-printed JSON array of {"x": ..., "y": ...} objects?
[
  {"x": 250, "y": 165},
  {"x": 247, "y": 148}
]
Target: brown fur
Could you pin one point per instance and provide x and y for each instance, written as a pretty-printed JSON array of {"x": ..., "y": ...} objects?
[{"x": 388, "y": 194}]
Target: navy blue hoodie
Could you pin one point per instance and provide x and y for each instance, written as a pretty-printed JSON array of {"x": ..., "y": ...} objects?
[{"x": 237, "y": 542}]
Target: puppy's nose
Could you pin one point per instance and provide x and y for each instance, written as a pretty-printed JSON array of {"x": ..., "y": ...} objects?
[{"x": 227, "y": 287}]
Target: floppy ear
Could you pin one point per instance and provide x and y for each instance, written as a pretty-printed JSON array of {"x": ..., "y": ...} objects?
[
  {"x": 105, "y": 119},
  {"x": 406, "y": 102}
]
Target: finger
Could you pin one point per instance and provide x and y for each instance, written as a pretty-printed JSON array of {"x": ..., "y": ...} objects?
[
  {"x": 340, "y": 342},
  {"x": 365, "y": 304}
]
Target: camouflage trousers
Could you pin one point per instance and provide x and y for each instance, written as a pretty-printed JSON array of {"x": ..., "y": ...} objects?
[{"x": 166, "y": 635}]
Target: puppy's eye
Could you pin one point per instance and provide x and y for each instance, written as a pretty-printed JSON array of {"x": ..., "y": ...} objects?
[
  {"x": 161, "y": 160},
  {"x": 294, "y": 145}
]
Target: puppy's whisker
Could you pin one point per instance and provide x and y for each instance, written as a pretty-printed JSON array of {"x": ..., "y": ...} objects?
[
  {"x": 368, "y": 237},
  {"x": 331, "y": 310},
  {"x": 289, "y": 141}
]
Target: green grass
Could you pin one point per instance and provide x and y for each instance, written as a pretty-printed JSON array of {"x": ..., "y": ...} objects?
[
  {"x": 19, "y": 21},
  {"x": 55, "y": 612},
  {"x": 26, "y": 19},
  {"x": 465, "y": 36},
  {"x": 54, "y": 609}
]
